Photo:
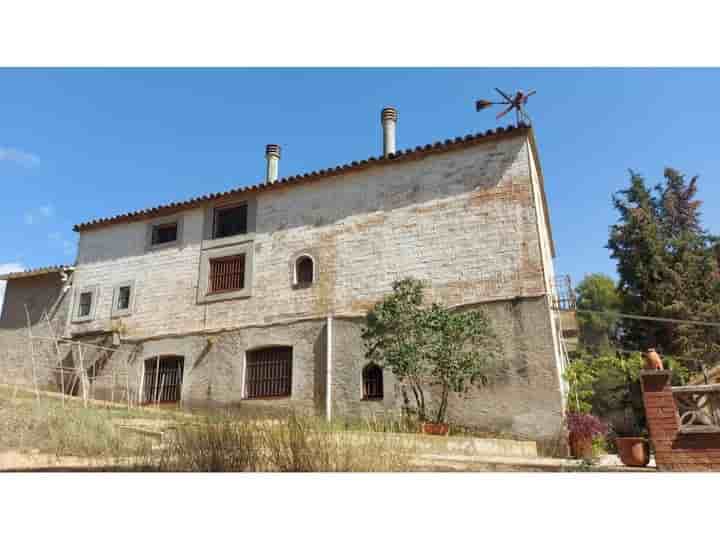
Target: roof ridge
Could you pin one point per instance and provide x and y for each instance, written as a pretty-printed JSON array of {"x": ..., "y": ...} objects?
[{"x": 447, "y": 144}]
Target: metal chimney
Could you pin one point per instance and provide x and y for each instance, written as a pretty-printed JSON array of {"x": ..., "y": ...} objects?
[
  {"x": 272, "y": 156},
  {"x": 388, "y": 118}
]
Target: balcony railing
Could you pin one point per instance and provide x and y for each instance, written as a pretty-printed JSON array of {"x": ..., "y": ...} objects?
[
  {"x": 698, "y": 408},
  {"x": 563, "y": 297}
]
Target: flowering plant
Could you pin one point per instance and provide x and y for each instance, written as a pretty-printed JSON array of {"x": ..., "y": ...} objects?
[{"x": 584, "y": 424}]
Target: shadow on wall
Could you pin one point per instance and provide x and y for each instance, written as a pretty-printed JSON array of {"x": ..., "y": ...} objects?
[
  {"x": 377, "y": 189},
  {"x": 39, "y": 293}
]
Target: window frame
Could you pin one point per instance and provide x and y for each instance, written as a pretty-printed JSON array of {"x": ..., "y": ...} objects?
[
  {"x": 295, "y": 281},
  {"x": 209, "y": 242},
  {"x": 229, "y": 206},
  {"x": 211, "y": 260},
  {"x": 364, "y": 395},
  {"x": 94, "y": 291},
  {"x": 204, "y": 295},
  {"x": 247, "y": 373},
  {"x": 177, "y": 219},
  {"x": 115, "y": 311}
]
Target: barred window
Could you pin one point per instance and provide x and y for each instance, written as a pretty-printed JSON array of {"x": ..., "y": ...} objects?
[
  {"x": 268, "y": 373},
  {"x": 372, "y": 382},
  {"x": 163, "y": 379},
  {"x": 227, "y": 274}
]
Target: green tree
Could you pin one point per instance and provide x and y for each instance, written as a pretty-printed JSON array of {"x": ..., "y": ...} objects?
[
  {"x": 428, "y": 346},
  {"x": 597, "y": 293},
  {"x": 668, "y": 267}
]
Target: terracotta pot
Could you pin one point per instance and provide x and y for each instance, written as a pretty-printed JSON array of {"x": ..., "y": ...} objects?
[
  {"x": 430, "y": 428},
  {"x": 581, "y": 446},
  {"x": 633, "y": 451}
]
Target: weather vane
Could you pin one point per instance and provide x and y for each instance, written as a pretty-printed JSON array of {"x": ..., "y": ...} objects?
[{"x": 517, "y": 102}]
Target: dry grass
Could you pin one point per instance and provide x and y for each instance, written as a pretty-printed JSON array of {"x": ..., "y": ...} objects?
[
  {"x": 297, "y": 443},
  {"x": 45, "y": 425}
]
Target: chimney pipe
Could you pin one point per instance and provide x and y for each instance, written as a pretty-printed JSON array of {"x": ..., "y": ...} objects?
[
  {"x": 272, "y": 155},
  {"x": 388, "y": 118}
]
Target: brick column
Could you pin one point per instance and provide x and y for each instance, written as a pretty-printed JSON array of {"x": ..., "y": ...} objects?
[
  {"x": 696, "y": 448},
  {"x": 661, "y": 413}
]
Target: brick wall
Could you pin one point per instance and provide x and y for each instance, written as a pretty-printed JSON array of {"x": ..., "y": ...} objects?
[{"x": 674, "y": 450}]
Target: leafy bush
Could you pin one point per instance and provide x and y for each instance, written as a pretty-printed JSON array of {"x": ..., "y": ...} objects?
[{"x": 430, "y": 345}]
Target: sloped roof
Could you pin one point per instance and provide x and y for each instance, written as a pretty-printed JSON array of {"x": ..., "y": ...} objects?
[
  {"x": 35, "y": 272},
  {"x": 399, "y": 156}
]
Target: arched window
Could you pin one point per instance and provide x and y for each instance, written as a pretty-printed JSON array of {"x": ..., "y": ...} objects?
[
  {"x": 304, "y": 271},
  {"x": 372, "y": 382}
]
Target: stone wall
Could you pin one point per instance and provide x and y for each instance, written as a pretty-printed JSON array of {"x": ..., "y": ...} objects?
[
  {"x": 43, "y": 293},
  {"x": 466, "y": 221},
  {"x": 470, "y": 222},
  {"x": 525, "y": 400}
]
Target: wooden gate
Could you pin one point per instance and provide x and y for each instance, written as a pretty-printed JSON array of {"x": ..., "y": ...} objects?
[{"x": 163, "y": 379}]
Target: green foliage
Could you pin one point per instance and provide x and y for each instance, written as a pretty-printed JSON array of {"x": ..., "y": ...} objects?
[
  {"x": 668, "y": 267},
  {"x": 597, "y": 292},
  {"x": 426, "y": 346}
]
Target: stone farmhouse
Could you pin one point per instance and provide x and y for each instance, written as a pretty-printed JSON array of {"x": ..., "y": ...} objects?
[{"x": 257, "y": 296}]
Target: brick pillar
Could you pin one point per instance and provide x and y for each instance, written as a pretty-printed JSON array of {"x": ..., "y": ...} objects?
[
  {"x": 662, "y": 416},
  {"x": 695, "y": 448}
]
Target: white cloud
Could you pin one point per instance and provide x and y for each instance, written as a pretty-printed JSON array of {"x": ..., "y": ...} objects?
[
  {"x": 13, "y": 155},
  {"x": 6, "y": 269}
]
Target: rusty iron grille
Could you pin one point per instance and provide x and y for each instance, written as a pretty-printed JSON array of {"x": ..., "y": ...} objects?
[
  {"x": 372, "y": 382},
  {"x": 563, "y": 298},
  {"x": 163, "y": 379},
  {"x": 269, "y": 372},
  {"x": 227, "y": 274},
  {"x": 305, "y": 271}
]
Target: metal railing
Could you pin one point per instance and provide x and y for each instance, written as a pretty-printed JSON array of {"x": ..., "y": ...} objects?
[{"x": 563, "y": 294}]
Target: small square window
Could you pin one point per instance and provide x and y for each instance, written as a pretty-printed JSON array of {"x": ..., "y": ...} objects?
[
  {"x": 227, "y": 274},
  {"x": 123, "y": 298},
  {"x": 164, "y": 233},
  {"x": 229, "y": 221},
  {"x": 85, "y": 304}
]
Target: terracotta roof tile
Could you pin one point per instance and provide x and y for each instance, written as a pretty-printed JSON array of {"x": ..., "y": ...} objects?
[
  {"x": 400, "y": 155},
  {"x": 32, "y": 272}
]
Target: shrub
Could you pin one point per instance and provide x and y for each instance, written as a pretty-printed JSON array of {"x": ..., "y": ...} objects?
[{"x": 585, "y": 425}]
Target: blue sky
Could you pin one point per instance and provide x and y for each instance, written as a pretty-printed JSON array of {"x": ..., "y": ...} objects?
[{"x": 76, "y": 144}]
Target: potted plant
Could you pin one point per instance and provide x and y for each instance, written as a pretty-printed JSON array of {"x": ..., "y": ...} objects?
[
  {"x": 582, "y": 428},
  {"x": 633, "y": 449}
]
